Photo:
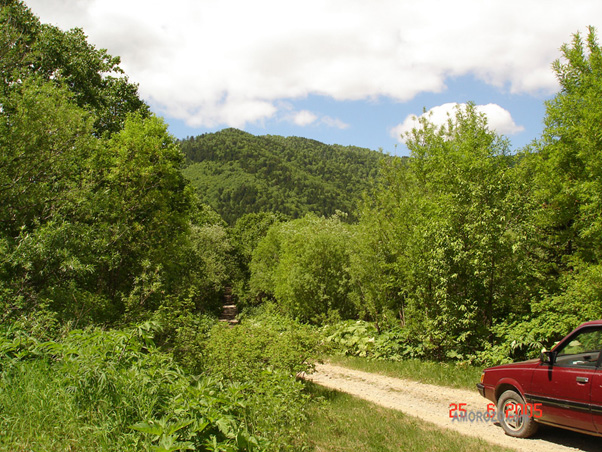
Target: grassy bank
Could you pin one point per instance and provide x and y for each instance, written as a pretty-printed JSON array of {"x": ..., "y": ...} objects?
[{"x": 443, "y": 374}]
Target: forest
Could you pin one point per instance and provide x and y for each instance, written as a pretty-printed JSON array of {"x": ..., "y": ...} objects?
[
  {"x": 117, "y": 243},
  {"x": 237, "y": 173}
]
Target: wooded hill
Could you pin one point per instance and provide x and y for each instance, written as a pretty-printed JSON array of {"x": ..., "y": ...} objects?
[{"x": 237, "y": 173}]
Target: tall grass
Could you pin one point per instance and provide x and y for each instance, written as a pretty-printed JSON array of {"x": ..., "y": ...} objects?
[
  {"x": 115, "y": 390},
  {"x": 39, "y": 413}
]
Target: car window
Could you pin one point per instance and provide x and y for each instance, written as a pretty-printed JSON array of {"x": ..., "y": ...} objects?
[{"x": 582, "y": 350}]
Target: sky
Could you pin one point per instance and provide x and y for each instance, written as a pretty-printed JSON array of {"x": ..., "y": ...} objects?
[{"x": 350, "y": 72}]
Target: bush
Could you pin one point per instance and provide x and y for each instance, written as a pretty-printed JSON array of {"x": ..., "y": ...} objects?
[
  {"x": 362, "y": 339},
  {"x": 304, "y": 265},
  {"x": 264, "y": 354},
  {"x": 114, "y": 390}
]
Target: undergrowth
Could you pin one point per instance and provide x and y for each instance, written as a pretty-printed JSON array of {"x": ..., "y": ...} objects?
[{"x": 116, "y": 390}]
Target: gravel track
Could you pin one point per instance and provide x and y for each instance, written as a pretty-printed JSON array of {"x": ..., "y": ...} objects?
[{"x": 432, "y": 404}]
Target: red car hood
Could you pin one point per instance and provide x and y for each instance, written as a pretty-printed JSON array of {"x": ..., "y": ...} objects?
[{"x": 521, "y": 364}]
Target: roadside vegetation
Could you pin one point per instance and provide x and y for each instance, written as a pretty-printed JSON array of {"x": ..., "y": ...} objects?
[
  {"x": 454, "y": 375},
  {"x": 99, "y": 389},
  {"x": 113, "y": 266}
]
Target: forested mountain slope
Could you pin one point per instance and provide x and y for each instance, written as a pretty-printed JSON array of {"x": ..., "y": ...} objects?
[{"x": 237, "y": 173}]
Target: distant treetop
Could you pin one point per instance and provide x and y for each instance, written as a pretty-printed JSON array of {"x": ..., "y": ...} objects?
[{"x": 237, "y": 173}]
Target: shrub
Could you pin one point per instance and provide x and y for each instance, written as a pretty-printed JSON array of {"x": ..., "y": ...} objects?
[{"x": 362, "y": 339}]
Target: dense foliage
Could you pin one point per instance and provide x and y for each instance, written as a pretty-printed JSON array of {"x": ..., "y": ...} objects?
[
  {"x": 565, "y": 168},
  {"x": 304, "y": 264},
  {"x": 99, "y": 232},
  {"x": 115, "y": 390},
  {"x": 65, "y": 59},
  {"x": 237, "y": 173},
  {"x": 98, "y": 224},
  {"x": 452, "y": 235},
  {"x": 466, "y": 250}
]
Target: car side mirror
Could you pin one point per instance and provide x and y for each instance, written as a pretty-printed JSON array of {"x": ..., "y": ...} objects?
[{"x": 547, "y": 357}]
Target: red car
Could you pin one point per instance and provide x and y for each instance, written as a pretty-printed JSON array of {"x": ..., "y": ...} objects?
[{"x": 562, "y": 388}]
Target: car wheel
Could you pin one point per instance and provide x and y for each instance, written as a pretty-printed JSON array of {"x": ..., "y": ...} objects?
[{"x": 514, "y": 416}]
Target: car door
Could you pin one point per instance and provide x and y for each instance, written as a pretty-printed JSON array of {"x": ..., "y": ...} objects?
[
  {"x": 564, "y": 388},
  {"x": 596, "y": 400}
]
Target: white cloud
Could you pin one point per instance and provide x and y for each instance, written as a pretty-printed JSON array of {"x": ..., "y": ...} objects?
[
  {"x": 304, "y": 118},
  {"x": 334, "y": 122},
  {"x": 231, "y": 61},
  {"x": 498, "y": 119}
]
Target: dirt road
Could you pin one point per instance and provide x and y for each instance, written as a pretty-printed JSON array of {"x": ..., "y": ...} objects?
[{"x": 432, "y": 404}]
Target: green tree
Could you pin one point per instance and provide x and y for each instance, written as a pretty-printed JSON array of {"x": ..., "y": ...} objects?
[
  {"x": 91, "y": 225},
  {"x": 249, "y": 230},
  {"x": 95, "y": 207},
  {"x": 18, "y": 31},
  {"x": 44, "y": 138},
  {"x": 570, "y": 163},
  {"x": 141, "y": 206},
  {"x": 452, "y": 238},
  {"x": 566, "y": 165},
  {"x": 29, "y": 48},
  {"x": 304, "y": 265},
  {"x": 245, "y": 235},
  {"x": 210, "y": 261}
]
